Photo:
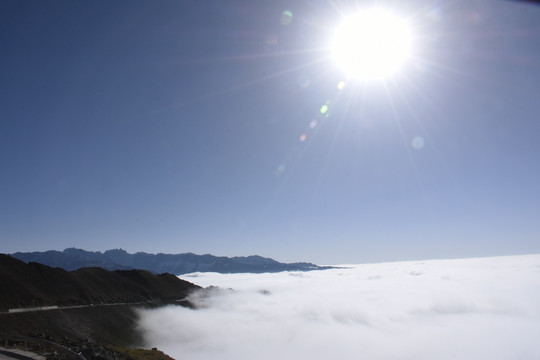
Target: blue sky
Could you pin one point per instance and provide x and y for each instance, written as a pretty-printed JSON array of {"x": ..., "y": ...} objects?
[{"x": 195, "y": 126}]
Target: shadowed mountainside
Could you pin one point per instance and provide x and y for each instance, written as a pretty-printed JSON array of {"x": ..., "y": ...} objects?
[
  {"x": 73, "y": 259},
  {"x": 94, "y": 305},
  {"x": 32, "y": 284}
]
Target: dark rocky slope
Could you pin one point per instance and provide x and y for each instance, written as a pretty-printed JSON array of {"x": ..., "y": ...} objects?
[
  {"x": 32, "y": 284},
  {"x": 104, "y": 325},
  {"x": 93, "y": 290}
]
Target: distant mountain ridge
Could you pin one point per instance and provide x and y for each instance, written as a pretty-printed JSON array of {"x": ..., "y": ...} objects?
[{"x": 118, "y": 259}]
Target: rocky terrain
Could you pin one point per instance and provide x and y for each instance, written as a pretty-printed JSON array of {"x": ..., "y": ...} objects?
[
  {"x": 77, "y": 349},
  {"x": 118, "y": 259},
  {"x": 32, "y": 284},
  {"x": 93, "y": 306}
]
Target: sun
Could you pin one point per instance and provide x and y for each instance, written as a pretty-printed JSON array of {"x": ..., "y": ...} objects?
[{"x": 371, "y": 44}]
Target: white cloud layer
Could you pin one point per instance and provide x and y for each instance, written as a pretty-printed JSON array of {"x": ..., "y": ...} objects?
[{"x": 441, "y": 309}]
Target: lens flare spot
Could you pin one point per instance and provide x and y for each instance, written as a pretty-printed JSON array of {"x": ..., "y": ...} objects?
[
  {"x": 433, "y": 14},
  {"x": 303, "y": 137},
  {"x": 313, "y": 124},
  {"x": 272, "y": 39},
  {"x": 474, "y": 18},
  {"x": 418, "y": 142},
  {"x": 286, "y": 17},
  {"x": 324, "y": 109},
  {"x": 341, "y": 85},
  {"x": 280, "y": 169},
  {"x": 304, "y": 82}
]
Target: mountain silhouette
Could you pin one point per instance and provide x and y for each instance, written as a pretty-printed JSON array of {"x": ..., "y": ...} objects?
[{"x": 118, "y": 259}]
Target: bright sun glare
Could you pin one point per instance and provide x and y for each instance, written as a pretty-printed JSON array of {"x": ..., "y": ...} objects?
[{"x": 371, "y": 44}]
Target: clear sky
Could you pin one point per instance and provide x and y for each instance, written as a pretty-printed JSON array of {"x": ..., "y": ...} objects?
[{"x": 199, "y": 126}]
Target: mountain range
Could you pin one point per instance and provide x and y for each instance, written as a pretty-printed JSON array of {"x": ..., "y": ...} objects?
[{"x": 118, "y": 259}]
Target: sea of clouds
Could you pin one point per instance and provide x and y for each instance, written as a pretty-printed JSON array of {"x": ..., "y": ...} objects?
[{"x": 487, "y": 308}]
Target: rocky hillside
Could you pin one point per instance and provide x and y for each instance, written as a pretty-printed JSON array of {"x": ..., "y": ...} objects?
[
  {"x": 32, "y": 284},
  {"x": 92, "y": 308},
  {"x": 73, "y": 259}
]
